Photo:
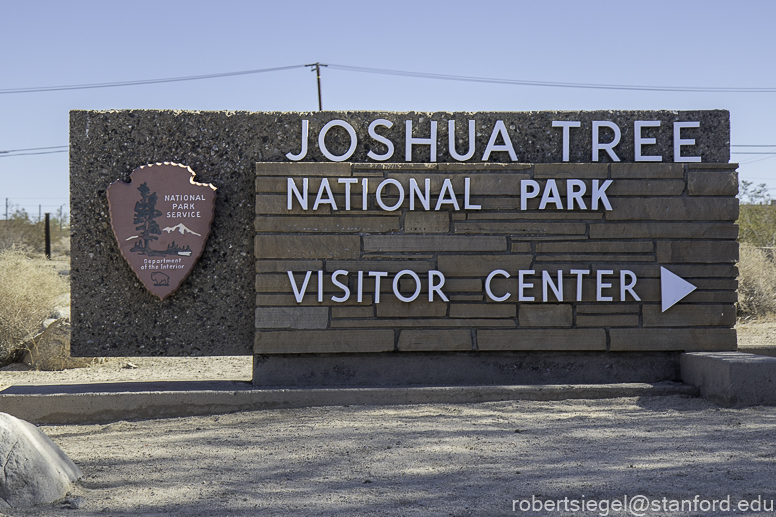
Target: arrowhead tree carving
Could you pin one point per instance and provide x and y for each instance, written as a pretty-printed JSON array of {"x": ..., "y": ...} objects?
[{"x": 168, "y": 194}]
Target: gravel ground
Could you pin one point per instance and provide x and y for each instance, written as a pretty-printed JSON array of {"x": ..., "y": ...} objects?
[
  {"x": 424, "y": 460},
  {"x": 432, "y": 459}
]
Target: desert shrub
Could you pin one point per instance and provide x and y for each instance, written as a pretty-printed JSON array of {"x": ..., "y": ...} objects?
[
  {"x": 20, "y": 231},
  {"x": 757, "y": 216},
  {"x": 28, "y": 293},
  {"x": 756, "y": 282}
]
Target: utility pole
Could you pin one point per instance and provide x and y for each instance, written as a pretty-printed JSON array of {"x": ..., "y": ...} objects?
[
  {"x": 6, "y": 209},
  {"x": 316, "y": 67}
]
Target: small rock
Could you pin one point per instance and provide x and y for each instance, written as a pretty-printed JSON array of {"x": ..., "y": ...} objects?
[
  {"x": 73, "y": 502},
  {"x": 130, "y": 366}
]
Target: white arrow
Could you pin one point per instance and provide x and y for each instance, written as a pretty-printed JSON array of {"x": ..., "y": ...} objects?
[{"x": 673, "y": 288}]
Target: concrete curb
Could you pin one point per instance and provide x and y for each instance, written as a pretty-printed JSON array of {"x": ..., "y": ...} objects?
[
  {"x": 110, "y": 402},
  {"x": 731, "y": 379}
]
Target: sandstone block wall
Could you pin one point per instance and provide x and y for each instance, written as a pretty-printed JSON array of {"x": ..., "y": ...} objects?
[{"x": 679, "y": 216}]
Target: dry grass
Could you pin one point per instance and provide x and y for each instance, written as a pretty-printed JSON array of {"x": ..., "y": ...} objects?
[
  {"x": 29, "y": 290},
  {"x": 756, "y": 283}
]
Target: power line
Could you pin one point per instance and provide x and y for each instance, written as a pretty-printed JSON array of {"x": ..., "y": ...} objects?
[
  {"x": 32, "y": 154},
  {"x": 401, "y": 73},
  {"x": 39, "y": 89},
  {"x": 33, "y": 149},
  {"x": 520, "y": 82}
]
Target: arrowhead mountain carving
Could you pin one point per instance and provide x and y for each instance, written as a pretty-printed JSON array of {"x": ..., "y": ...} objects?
[{"x": 161, "y": 220}]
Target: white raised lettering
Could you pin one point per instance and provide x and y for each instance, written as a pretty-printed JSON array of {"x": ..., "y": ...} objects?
[
  {"x": 410, "y": 141},
  {"x": 599, "y": 194},
  {"x": 436, "y": 287},
  {"x": 608, "y": 147},
  {"x": 447, "y": 189},
  {"x": 451, "y": 141},
  {"x": 566, "y": 124},
  {"x": 679, "y": 142},
  {"x": 322, "y": 143},
  {"x": 383, "y": 140},
  {"x": 488, "y": 290},
  {"x": 305, "y": 136},
  {"x": 639, "y": 140},
  {"x": 499, "y": 129},
  {"x": 300, "y": 196}
]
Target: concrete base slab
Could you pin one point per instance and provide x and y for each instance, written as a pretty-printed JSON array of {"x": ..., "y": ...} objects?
[
  {"x": 731, "y": 379},
  {"x": 463, "y": 369},
  {"x": 769, "y": 350},
  {"x": 100, "y": 403}
]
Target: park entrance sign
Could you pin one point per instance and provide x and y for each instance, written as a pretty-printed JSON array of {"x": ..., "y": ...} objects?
[{"x": 422, "y": 248}]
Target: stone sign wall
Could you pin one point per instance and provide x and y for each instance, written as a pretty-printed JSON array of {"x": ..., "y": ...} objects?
[
  {"x": 675, "y": 210},
  {"x": 523, "y": 257}
]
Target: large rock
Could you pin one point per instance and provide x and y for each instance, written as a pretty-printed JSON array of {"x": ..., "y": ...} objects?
[
  {"x": 35, "y": 470},
  {"x": 50, "y": 350}
]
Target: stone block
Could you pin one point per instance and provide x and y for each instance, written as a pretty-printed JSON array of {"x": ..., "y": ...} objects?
[
  {"x": 339, "y": 170},
  {"x": 544, "y": 315},
  {"x": 521, "y": 247},
  {"x": 479, "y": 184},
  {"x": 686, "y": 315},
  {"x": 607, "y": 308},
  {"x": 706, "y": 183},
  {"x": 391, "y": 307},
  {"x": 483, "y": 310},
  {"x": 678, "y": 230},
  {"x": 453, "y": 340},
  {"x": 426, "y": 222},
  {"x": 528, "y": 229},
  {"x": 481, "y": 265},
  {"x": 541, "y": 339},
  {"x": 570, "y": 170},
  {"x": 608, "y": 320},
  {"x": 712, "y": 297},
  {"x": 543, "y": 215},
  {"x": 673, "y": 209},
  {"x": 647, "y": 170},
  {"x": 309, "y": 300},
  {"x": 595, "y": 247},
  {"x": 389, "y": 266},
  {"x": 593, "y": 257},
  {"x": 277, "y": 204},
  {"x": 440, "y": 243},
  {"x": 646, "y": 187},
  {"x": 307, "y": 246},
  {"x": 352, "y": 312},
  {"x": 424, "y": 323},
  {"x": 460, "y": 285},
  {"x": 331, "y": 224},
  {"x": 703, "y": 252},
  {"x": 329, "y": 342},
  {"x": 672, "y": 339},
  {"x": 466, "y": 297},
  {"x": 711, "y": 166},
  {"x": 292, "y": 317},
  {"x": 281, "y": 266}
]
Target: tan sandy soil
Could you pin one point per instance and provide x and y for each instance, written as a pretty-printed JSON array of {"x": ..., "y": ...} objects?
[
  {"x": 424, "y": 460},
  {"x": 432, "y": 459}
]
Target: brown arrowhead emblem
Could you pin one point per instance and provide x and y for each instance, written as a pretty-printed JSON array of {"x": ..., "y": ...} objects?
[{"x": 161, "y": 220}]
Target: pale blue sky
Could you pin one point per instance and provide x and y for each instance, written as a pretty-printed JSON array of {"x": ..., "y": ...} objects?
[{"x": 666, "y": 43}]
